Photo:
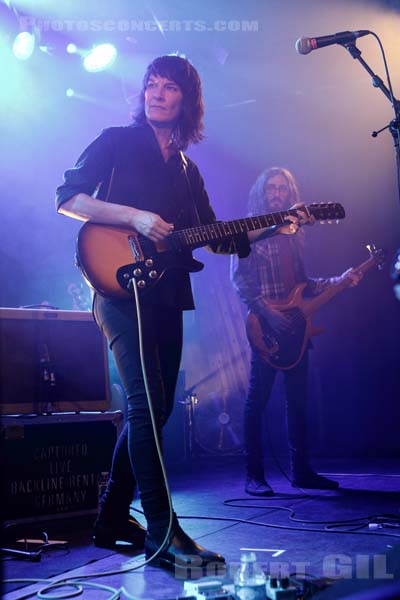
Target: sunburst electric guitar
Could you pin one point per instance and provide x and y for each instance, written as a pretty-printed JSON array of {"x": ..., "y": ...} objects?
[
  {"x": 284, "y": 350},
  {"x": 110, "y": 257}
]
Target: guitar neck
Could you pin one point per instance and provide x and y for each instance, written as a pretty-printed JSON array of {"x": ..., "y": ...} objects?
[
  {"x": 335, "y": 288},
  {"x": 196, "y": 237}
]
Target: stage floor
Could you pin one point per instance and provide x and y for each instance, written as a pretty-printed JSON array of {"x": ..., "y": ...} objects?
[{"x": 351, "y": 560}]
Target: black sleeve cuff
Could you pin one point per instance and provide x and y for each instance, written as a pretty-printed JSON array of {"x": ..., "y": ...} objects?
[{"x": 242, "y": 245}]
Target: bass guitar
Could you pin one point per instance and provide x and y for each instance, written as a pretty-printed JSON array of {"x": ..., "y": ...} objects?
[
  {"x": 110, "y": 257},
  {"x": 284, "y": 350}
]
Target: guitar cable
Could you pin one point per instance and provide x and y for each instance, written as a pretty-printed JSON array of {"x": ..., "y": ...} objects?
[
  {"x": 153, "y": 424},
  {"x": 79, "y": 582}
]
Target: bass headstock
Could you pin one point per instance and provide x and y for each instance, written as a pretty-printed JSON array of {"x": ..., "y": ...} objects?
[{"x": 377, "y": 254}]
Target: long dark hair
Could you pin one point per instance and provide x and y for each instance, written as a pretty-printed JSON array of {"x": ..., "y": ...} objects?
[
  {"x": 190, "y": 124},
  {"x": 257, "y": 200},
  {"x": 257, "y": 203}
]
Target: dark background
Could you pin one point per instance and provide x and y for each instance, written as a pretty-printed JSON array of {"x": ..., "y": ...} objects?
[{"x": 265, "y": 105}]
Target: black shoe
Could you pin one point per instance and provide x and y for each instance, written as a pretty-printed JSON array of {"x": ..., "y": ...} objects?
[
  {"x": 258, "y": 487},
  {"x": 180, "y": 552},
  {"x": 107, "y": 534},
  {"x": 310, "y": 479}
]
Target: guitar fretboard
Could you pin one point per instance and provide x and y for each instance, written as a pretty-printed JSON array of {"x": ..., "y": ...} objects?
[{"x": 201, "y": 235}]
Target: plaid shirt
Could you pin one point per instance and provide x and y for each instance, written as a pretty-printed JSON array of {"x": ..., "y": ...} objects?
[{"x": 260, "y": 275}]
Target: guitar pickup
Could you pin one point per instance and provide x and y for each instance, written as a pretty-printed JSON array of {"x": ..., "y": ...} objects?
[{"x": 135, "y": 249}]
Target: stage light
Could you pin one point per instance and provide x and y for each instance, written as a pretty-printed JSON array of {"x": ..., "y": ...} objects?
[
  {"x": 69, "y": 92},
  {"x": 72, "y": 48},
  {"x": 24, "y": 45},
  {"x": 47, "y": 50},
  {"x": 100, "y": 58}
]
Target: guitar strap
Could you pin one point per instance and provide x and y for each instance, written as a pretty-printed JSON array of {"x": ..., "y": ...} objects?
[
  {"x": 194, "y": 211},
  {"x": 184, "y": 162},
  {"x": 110, "y": 185},
  {"x": 98, "y": 187}
]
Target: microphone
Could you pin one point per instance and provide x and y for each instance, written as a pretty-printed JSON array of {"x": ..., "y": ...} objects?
[{"x": 305, "y": 45}]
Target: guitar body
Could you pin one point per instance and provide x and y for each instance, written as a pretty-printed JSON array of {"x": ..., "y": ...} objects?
[
  {"x": 108, "y": 257},
  {"x": 282, "y": 350},
  {"x": 285, "y": 350}
]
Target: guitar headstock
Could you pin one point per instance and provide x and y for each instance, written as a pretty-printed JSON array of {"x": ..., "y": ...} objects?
[
  {"x": 377, "y": 254},
  {"x": 327, "y": 211}
]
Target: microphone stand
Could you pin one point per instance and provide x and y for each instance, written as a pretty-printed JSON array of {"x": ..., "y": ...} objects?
[{"x": 394, "y": 125}]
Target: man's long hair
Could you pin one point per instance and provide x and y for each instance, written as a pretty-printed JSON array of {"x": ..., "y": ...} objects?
[
  {"x": 258, "y": 203},
  {"x": 190, "y": 124}
]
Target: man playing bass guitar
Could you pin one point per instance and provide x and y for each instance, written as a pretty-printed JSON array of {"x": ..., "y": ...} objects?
[{"x": 264, "y": 279}]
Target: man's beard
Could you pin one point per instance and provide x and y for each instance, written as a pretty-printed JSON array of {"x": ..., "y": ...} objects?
[{"x": 276, "y": 204}]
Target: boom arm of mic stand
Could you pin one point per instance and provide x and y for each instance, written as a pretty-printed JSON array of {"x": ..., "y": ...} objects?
[{"x": 394, "y": 125}]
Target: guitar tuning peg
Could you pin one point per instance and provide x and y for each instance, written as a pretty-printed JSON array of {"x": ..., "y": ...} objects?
[
  {"x": 337, "y": 222},
  {"x": 322, "y": 222},
  {"x": 330, "y": 222}
]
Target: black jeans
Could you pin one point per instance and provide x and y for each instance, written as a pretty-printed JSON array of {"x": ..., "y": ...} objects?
[
  {"x": 262, "y": 377},
  {"x": 135, "y": 457}
]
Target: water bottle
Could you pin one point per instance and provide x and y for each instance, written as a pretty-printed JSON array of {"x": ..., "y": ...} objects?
[{"x": 250, "y": 579}]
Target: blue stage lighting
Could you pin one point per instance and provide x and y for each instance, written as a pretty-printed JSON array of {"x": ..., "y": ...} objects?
[
  {"x": 24, "y": 45},
  {"x": 72, "y": 48},
  {"x": 69, "y": 92},
  {"x": 100, "y": 58}
]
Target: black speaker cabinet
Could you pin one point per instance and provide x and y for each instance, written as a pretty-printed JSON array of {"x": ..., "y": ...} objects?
[
  {"x": 51, "y": 361},
  {"x": 55, "y": 465}
]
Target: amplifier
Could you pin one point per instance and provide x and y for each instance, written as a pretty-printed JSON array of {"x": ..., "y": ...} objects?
[
  {"x": 54, "y": 465},
  {"x": 51, "y": 361}
]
